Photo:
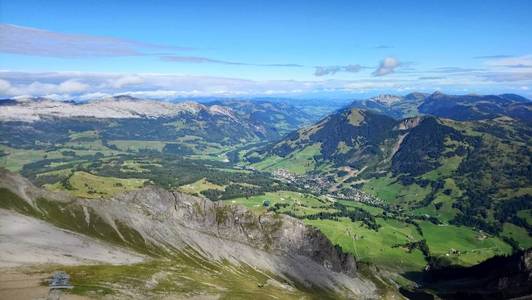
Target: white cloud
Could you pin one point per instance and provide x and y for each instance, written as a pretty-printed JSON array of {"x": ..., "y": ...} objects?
[
  {"x": 512, "y": 62},
  {"x": 123, "y": 81},
  {"x": 37, "y": 88},
  {"x": 387, "y": 66},
  {"x": 92, "y": 96},
  {"x": 331, "y": 70},
  {"x": 4, "y": 86},
  {"x": 201, "y": 60},
  {"x": 506, "y": 76},
  {"x": 34, "y": 41},
  {"x": 72, "y": 86}
]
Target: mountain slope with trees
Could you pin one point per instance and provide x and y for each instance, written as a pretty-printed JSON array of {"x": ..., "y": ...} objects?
[{"x": 474, "y": 173}]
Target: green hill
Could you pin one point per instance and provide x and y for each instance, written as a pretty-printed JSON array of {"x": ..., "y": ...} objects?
[
  {"x": 351, "y": 137},
  {"x": 473, "y": 173}
]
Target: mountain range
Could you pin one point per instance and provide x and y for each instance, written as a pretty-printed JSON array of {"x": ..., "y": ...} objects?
[
  {"x": 456, "y": 107},
  {"x": 370, "y": 197},
  {"x": 41, "y": 123}
]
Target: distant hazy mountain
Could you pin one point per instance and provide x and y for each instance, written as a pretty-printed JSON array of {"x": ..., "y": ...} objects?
[
  {"x": 456, "y": 107},
  {"x": 37, "y": 122},
  {"x": 279, "y": 117},
  {"x": 314, "y": 108},
  {"x": 121, "y": 107},
  {"x": 395, "y": 106}
]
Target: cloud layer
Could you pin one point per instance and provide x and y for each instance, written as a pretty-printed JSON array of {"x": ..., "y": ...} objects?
[
  {"x": 85, "y": 86},
  {"x": 386, "y": 66},
  {"x": 200, "y": 60},
  {"x": 331, "y": 70},
  {"x": 32, "y": 41},
  {"x": 489, "y": 72},
  {"x": 38, "y": 42}
]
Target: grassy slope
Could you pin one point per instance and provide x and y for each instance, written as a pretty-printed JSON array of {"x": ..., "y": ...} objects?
[
  {"x": 186, "y": 275},
  {"x": 129, "y": 145},
  {"x": 298, "y": 203},
  {"x": 199, "y": 186},
  {"x": 377, "y": 247},
  {"x": 474, "y": 246},
  {"x": 17, "y": 158},
  {"x": 298, "y": 162},
  {"x": 86, "y": 185},
  {"x": 517, "y": 233},
  {"x": 393, "y": 192},
  {"x": 372, "y": 246}
]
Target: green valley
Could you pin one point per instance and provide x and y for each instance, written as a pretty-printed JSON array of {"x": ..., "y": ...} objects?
[{"x": 404, "y": 195}]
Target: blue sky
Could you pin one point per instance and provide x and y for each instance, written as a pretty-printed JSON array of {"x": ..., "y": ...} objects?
[{"x": 230, "y": 48}]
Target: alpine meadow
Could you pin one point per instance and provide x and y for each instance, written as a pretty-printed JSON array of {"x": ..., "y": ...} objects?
[{"x": 265, "y": 149}]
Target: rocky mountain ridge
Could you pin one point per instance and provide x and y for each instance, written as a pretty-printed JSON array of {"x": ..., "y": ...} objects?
[
  {"x": 30, "y": 110},
  {"x": 159, "y": 222}
]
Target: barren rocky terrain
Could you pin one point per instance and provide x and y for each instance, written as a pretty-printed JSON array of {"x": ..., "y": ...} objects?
[{"x": 28, "y": 241}]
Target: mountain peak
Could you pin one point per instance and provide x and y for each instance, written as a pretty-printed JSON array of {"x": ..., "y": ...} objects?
[
  {"x": 415, "y": 96},
  {"x": 386, "y": 99},
  {"x": 222, "y": 110},
  {"x": 437, "y": 94}
]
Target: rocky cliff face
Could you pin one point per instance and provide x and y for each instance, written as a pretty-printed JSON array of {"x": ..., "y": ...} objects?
[
  {"x": 269, "y": 232},
  {"x": 409, "y": 123},
  {"x": 165, "y": 222}
]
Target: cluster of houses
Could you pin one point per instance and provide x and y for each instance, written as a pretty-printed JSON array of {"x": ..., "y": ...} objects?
[
  {"x": 357, "y": 195},
  {"x": 321, "y": 185},
  {"x": 313, "y": 183}
]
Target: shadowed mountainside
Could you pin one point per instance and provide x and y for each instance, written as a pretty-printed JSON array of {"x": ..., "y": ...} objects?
[{"x": 500, "y": 277}]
